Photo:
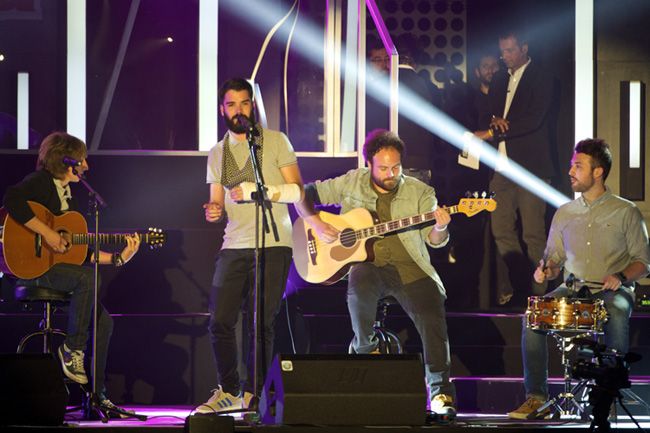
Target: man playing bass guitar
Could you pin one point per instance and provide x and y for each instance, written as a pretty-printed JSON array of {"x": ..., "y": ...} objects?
[
  {"x": 401, "y": 267},
  {"x": 49, "y": 186}
]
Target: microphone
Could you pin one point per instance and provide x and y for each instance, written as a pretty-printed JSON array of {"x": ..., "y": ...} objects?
[
  {"x": 245, "y": 122},
  {"x": 71, "y": 162}
]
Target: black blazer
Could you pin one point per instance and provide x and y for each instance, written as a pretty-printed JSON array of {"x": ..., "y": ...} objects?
[
  {"x": 39, "y": 187},
  {"x": 528, "y": 141}
]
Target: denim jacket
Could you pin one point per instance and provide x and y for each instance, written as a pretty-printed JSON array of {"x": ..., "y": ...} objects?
[{"x": 352, "y": 190}]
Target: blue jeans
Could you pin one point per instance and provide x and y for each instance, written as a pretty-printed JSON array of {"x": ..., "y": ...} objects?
[
  {"x": 422, "y": 302},
  {"x": 232, "y": 291},
  {"x": 79, "y": 281},
  {"x": 534, "y": 344}
]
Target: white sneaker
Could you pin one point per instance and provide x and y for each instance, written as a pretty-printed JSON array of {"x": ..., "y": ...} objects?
[{"x": 222, "y": 401}]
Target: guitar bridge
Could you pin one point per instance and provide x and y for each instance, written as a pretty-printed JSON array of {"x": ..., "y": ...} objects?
[
  {"x": 38, "y": 245},
  {"x": 311, "y": 247}
]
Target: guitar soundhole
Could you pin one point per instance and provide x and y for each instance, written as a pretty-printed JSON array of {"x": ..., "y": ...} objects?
[{"x": 347, "y": 238}]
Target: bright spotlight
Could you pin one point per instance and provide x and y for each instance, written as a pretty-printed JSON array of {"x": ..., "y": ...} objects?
[
  {"x": 2, "y": 57},
  {"x": 170, "y": 39},
  {"x": 417, "y": 109}
]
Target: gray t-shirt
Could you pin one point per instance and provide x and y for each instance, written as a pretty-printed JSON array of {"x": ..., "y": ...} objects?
[
  {"x": 277, "y": 152},
  {"x": 593, "y": 240}
]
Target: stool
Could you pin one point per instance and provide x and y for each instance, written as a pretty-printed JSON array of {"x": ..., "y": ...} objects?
[
  {"x": 389, "y": 342},
  {"x": 48, "y": 297}
]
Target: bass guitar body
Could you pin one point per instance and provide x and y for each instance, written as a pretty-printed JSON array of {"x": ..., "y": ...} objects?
[{"x": 319, "y": 262}]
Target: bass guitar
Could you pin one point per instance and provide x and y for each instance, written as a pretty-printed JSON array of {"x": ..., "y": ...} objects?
[{"x": 320, "y": 262}]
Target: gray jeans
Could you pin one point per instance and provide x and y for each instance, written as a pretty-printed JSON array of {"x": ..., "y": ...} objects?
[{"x": 422, "y": 302}]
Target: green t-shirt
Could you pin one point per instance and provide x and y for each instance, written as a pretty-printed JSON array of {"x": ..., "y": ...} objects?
[{"x": 389, "y": 250}]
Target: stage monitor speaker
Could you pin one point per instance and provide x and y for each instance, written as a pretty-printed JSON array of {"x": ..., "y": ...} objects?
[
  {"x": 345, "y": 390},
  {"x": 32, "y": 391},
  {"x": 209, "y": 423}
]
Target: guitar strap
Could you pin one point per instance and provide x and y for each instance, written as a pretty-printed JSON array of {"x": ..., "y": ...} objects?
[{"x": 231, "y": 175}]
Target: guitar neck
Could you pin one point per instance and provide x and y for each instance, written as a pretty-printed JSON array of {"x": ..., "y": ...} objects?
[
  {"x": 399, "y": 224},
  {"x": 104, "y": 238}
]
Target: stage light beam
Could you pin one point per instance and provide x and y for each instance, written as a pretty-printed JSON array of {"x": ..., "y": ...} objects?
[{"x": 310, "y": 46}]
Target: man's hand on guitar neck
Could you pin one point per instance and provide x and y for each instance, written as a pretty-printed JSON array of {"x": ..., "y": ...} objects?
[
  {"x": 440, "y": 232},
  {"x": 132, "y": 245},
  {"x": 325, "y": 231}
]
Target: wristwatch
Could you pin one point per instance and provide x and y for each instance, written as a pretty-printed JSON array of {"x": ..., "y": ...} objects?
[
  {"x": 117, "y": 260},
  {"x": 621, "y": 276}
]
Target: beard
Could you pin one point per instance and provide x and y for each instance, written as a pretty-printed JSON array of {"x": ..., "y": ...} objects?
[
  {"x": 235, "y": 126},
  {"x": 387, "y": 184},
  {"x": 578, "y": 186}
]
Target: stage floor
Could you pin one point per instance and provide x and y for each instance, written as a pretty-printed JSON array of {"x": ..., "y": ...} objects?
[{"x": 172, "y": 419}]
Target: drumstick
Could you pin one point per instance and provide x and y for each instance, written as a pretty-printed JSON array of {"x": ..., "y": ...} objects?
[{"x": 571, "y": 280}]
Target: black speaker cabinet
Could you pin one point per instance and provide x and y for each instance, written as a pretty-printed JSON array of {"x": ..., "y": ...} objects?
[
  {"x": 345, "y": 390},
  {"x": 209, "y": 423},
  {"x": 32, "y": 391}
]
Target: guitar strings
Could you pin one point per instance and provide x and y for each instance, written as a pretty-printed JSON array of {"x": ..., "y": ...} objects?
[{"x": 393, "y": 225}]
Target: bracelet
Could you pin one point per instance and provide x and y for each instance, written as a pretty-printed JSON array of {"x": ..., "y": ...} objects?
[
  {"x": 117, "y": 260},
  {"x": 621, "y": 276},
  {"x": 441, "y": 229}
]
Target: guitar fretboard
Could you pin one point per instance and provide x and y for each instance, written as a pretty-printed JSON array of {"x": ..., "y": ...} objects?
[
  {"x": 104, "y": 238},
  {"x": 398, "y": 224}
]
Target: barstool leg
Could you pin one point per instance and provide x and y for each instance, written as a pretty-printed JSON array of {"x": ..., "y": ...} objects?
[
  {"x": 46, "y": 331},
  {"x": 23, "y": 341}
]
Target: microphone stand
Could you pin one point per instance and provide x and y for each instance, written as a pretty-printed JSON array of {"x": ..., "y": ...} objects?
[
  {"x": 263, "y": 205},
  {"x": 92, "y": 407}
]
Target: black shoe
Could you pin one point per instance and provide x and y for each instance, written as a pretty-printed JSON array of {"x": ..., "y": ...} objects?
[{"x": 113, "y": 411}]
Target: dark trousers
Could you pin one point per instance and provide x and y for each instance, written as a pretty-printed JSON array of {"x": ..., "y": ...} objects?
[
  {"x": 423, "y": 303},
  {"x": 232, "y": 291},
  {"x": 513, "y": 199},
  {"x": 79, "y": 280}
]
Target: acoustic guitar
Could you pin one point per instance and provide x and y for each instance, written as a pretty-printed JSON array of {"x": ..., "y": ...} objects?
[
  {"x": 26, "y": 255},
  {"x": 325, "y": 263}
]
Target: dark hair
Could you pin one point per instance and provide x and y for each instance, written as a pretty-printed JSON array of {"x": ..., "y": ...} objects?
[
  {"x": 599, "y": 152},
  {"x": 519, "y": 35},
  {"x": 54, "y": 147},
  {"x": 482, "y": 55},
  {"x": 235, "y": 84},
  {"x": 373, "y": 43},
  {"x": 380, "y": 139}
]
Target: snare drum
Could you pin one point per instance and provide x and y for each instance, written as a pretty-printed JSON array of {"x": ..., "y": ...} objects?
[{"x": 565, "y": 314}]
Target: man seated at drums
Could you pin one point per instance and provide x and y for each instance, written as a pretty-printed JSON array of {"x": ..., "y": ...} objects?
[{"x": 602, "y": 240}]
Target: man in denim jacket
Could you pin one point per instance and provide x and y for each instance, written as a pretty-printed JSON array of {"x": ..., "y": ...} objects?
[{"x": 401, "y": 267}]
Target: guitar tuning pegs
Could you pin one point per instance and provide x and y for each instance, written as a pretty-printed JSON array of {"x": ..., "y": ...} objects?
[
  {"x": 475, "y": 194},
  {"x": 468, "y": 194},
  {"x": 492, "y": 194},
  {"x": 483, "y": 194}
]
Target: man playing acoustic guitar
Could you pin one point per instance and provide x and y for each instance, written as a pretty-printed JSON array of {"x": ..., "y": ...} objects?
[
  {"x": 49, "y": 186},
  {"x": 401, "y": 266}
]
